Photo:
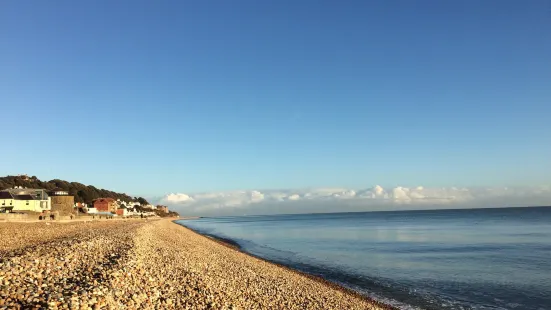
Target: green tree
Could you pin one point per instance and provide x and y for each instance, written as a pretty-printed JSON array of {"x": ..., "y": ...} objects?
[
  {"x": 142, "y": 201},
  {"x": 81, "y": 192}
]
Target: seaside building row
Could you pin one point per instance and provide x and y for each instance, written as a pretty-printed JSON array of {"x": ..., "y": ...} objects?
[{"x": 24, "y": 200}]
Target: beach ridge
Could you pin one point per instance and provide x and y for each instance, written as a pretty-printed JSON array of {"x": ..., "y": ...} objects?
[
  {"x": 235, "y": 246},
  {"x": 151, "y": 265}
]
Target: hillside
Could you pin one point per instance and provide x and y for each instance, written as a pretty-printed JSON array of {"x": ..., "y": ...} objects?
[{"x": 82, "y": 193}]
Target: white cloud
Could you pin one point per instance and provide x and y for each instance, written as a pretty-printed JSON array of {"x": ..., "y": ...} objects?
[
  {"x": 177, "y": 198},
  {"x": 294, "y": 197},
  {"x": 343, "y": 199},
  {"x": 400, "y": 194},
  {"x": 256, "y": 196}
]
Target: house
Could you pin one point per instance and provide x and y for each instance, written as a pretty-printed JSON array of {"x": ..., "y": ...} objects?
[
  {"x": 25, "y": 199},
  {"x": 90, "y": 210},
  {"x": 81, "y": 207},
  {"x": 106, "y": 205},
  {"x": 123, "y": 212},
  {"x": 23, "y": 177},
  {"x": 6, "y": 201},
  {"x": 132, "y": 211}
]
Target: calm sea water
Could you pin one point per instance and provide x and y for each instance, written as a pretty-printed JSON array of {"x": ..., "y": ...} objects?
[{"x": 443, "y": 259}]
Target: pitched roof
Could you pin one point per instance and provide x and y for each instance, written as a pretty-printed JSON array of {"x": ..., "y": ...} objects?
[
  {"x": 6, "y": 195},
  {"x": 37, "y": 193},
  {"x": 24, "y": 197}
]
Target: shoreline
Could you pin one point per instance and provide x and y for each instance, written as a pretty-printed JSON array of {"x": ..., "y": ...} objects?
[
  {"x": 231, "y": 244},
  {"x": 150, "y": 265}
]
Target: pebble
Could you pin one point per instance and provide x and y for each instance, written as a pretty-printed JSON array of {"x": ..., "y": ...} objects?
[{"x": 148, "y": 265}]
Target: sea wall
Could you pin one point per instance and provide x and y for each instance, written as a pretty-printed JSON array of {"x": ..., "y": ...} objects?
[{"x": 14, "y": 217}]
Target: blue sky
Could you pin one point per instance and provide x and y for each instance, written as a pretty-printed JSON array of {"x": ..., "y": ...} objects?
[{"x": 154, "y": 97}]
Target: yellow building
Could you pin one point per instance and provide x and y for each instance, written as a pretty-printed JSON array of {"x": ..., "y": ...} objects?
[
  {"x": 19, "y": 199},
  {"x": 6, "y": 200}
]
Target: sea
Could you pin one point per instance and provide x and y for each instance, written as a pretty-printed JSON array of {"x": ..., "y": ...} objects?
[{"x": 437, "y": 259}]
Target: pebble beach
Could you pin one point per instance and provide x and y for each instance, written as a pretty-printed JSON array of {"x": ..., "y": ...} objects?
[{"x": 139, "y": 264}]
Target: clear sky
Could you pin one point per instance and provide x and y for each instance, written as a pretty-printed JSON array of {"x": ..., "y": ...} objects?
[{"x": 150, "y": 97}]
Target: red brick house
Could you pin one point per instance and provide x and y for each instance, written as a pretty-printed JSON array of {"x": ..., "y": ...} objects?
[{"x": 106, "y": 205}]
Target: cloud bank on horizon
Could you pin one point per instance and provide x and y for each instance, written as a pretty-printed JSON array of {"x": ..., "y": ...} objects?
[{"x": 252, "y": 202}]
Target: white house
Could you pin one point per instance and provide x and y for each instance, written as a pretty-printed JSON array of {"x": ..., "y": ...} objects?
[
  {"x": 91, "y": 210},
  {"x": 25, "y": 199}
]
